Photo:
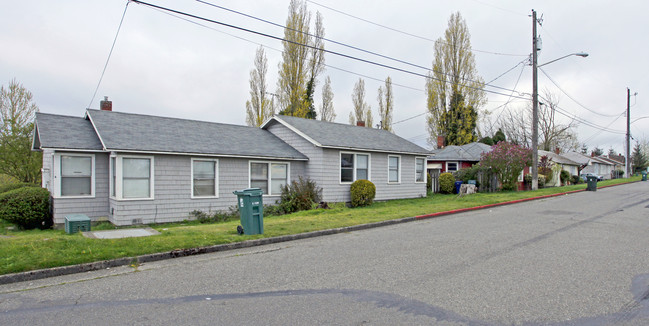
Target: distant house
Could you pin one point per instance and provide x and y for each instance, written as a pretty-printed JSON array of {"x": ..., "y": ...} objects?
[
  {"x": 592, "y": 164},
  {"x": 452, "y": 158},
  {"x": 132, "y": 169},
  {"x": 565, "y": 163}
]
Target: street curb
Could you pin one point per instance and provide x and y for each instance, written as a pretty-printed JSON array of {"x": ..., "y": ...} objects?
[{"x": 87, "y": 267}]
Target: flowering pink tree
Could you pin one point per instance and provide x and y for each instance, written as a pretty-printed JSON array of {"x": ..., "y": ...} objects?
[{"x": 506, "y": 161}]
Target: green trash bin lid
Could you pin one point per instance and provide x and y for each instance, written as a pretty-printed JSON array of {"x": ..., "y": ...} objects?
[{"x": 249, "y": 192}]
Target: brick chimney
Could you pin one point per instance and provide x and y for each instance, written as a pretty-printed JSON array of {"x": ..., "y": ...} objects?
[
  {"x": 360, "y": 123},
  {"x": 557, "y": 150},
  {"x": 592, "y": 154},
  {"x": 441, "y": 142},
  {"x": 106, "y": 105}
]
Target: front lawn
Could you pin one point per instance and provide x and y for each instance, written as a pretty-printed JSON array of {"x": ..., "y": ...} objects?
[{"x": 37, "y": 249}]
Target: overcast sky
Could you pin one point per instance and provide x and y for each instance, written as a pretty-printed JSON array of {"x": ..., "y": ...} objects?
[{"x": 163, "y": 65}]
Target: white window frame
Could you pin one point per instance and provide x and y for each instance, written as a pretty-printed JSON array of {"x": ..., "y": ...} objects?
[
  {"x": 119, "y": 195},
  {"x": 457, "y": 167},
  {"x": 112, "y": 166},
  {"x": 423, "y": 172},
  {"x": 398, "y": 157},
  {"x": 216, "y": 177},
  {"x": 270, "y": 177},
  {"x": 58, "y": 176},
  {"x": 354, "y": 178}
]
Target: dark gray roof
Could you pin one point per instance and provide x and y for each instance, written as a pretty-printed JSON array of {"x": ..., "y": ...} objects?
[
  {"x": 468, "y": 152},
  {"x": 134, "y": 132},
  {"x": 558, "y": 158},
  {"x": 338, "y": 135},
  {"x": 59, "y": 131}
]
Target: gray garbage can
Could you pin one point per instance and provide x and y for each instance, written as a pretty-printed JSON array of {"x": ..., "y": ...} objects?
[
  {"x": 251, "y": 209},
  {"x": 644, "y": 175},
  {"x": 592, "y": 183}
]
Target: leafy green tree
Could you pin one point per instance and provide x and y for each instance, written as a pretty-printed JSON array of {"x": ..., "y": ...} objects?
[
  {"x": 386, "y": 105},
  {"x": 639, "y": 159},
  {"x": 487, "y": 140},
  {"x": 598, "y": 151},
  {"x": 302, "y": 62},
  {"x": 259, "y": 107},
  {"x": 454, "y": 85},
  {"x": 16, "y": 127},
  {"x": 499, "y": 136}
]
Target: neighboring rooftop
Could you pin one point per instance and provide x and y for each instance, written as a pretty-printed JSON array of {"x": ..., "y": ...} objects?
[
  {"x": 557, "y": 158},
  {"x": 121, "y": 131},
  {"x": 338, "y": 135},
  {"x": 468, "y": 152}
]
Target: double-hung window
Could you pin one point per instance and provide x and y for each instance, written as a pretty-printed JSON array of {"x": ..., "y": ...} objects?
[
  {"x": 204, "y": 178},
  {"x": 76, "y": 175},
  {"x": 131, "y": 177},
  {"x": 269, "y": 177},
  {"x": 451, "y": 166},
  {"x": 354, "y": 167},
  {"x": 420, "y": 169},
  {"x": 394, "y": 169}
]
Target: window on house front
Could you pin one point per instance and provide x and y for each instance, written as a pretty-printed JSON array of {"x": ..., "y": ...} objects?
[
  {"x": 451, "y": 166},
  {"x": 113, "y": 175},
  {"x": 394, "y": 165},
  {"x": 76, "y": 175},
  {"x": 269, "y": 177},
  {"x": 354, "y": 167},
  {"x": 136, "y": 178},
  {"x": 420, "y": 169},
  {"x": 204, "y": 178}
]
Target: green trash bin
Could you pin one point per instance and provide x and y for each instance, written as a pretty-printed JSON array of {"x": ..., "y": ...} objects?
[
  {"x": 592, "y": 183},
  {"x": 644, "y": 175},
  {"x": 251, "y": 209}
]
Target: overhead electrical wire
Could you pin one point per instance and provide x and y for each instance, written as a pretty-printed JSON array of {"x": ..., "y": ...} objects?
[
  {"x": 103, "y": 71},
  {"x": 304, "y": 45},
  {"x": 332, "y": 41},
  {"x": 405, "y": 33},
  {"x": 573, "y": 99},
  {"x": 565, "y": 113},
  {"x": 600, "y": 131}
]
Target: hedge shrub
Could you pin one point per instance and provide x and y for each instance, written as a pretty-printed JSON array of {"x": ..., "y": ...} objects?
[
  {"x": 299, "y": 195},
  {"x": 362, "y": 192},
  {"x": 446, "y": 183},
  {"x": 12, "y": 186},
  {"x": 564, "y": 176},
  {"x": 27, "y": 207}
]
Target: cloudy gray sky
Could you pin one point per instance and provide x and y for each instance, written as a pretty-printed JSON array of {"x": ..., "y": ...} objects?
[{"x": 163, "y": 65}]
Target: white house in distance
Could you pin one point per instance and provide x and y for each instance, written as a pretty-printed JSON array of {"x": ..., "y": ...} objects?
[{"x": 131, "y": 168}]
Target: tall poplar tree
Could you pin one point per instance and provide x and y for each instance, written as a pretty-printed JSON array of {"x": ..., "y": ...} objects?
[
  {"x": 386, "y": 105},
  {"x": 362, "y": 111},
  {"x": 302, "y": 62},
  {"x": 259, "y": 107},
  {"x": 453, "y": 88},
  {"x": 327, "y": 108}
]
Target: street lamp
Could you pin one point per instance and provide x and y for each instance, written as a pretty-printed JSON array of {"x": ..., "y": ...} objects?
[{"x": 535, "y": 101}]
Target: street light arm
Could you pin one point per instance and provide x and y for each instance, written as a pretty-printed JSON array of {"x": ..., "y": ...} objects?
[{"x": 579, "y": 54}]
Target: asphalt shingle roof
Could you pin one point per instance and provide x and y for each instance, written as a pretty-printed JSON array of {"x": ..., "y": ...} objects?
[
  {"x": 135, "y": 132},
  {"x": 467, "y": 152},
  {"x": 60, "y": 131},
  {"x": 557, "y": 158},
  {"x": 338, "y": 135}
]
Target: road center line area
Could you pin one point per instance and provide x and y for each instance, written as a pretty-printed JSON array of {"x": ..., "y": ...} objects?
[{"x": 579, "y": 259}]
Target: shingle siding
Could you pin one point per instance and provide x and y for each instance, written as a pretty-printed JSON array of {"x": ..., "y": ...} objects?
[
  {"x": 172, "y": 193},
  {"x": 97, "y": 207},
  {"x": 324, "y": 168}
]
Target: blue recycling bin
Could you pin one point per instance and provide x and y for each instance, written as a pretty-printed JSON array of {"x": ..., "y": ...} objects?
[
  {"x": 458, "y": 184},
  {"x": 251, "y": 209}
]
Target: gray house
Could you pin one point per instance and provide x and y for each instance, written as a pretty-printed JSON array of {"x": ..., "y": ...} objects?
[{"x": 131, "y": 168}]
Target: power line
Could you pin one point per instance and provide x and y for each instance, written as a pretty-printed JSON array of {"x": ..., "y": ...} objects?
[
  {"x": 581, "y": 120},
  {"x": 601, "y": 130},
  {"x": 572, "y": 98},
  {"x": 109, "y": 54},
  {"x": 402, "y": 32},
  {"x": 308, "y": 46},
  {"x": 333, "y": 41}
]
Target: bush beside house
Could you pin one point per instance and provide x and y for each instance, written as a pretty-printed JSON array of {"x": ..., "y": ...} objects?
[
  {"x": 27, "y": 207},
  {"x": 362, "y": 193},
  {"x": 446, "y": 183}
]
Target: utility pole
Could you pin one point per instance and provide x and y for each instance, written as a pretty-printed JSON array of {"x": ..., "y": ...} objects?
[
  {"x": 628, "y": 133},
  {"x": 535, "y": 108}
]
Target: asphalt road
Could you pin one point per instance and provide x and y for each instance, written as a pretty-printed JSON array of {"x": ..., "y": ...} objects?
[{"x": 579, "y": 259}]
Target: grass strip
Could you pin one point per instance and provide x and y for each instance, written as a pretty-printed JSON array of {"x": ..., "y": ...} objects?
[{"x": 38, "y": 249}]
